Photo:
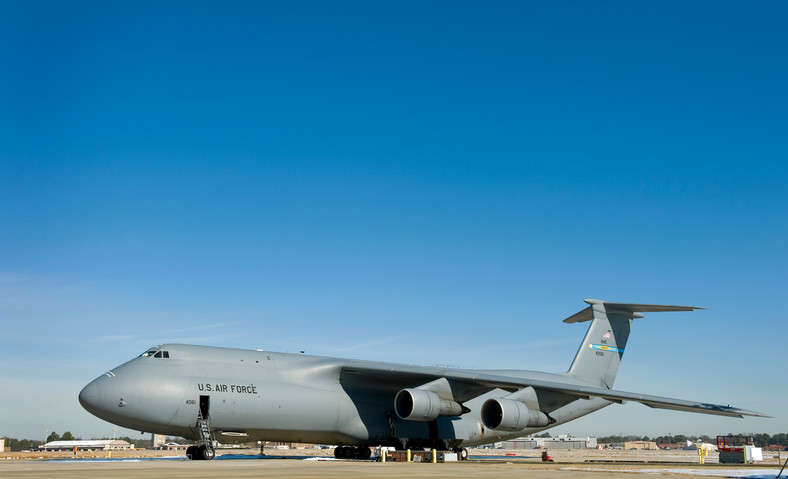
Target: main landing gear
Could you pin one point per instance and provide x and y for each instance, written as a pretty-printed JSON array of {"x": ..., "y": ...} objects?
[{"x": 351, "y": 452}]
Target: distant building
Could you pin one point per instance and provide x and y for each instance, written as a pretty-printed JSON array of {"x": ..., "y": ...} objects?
[
  {"x": 520, "y": 443},
  {"x": 775, "y": 447},
  {"x": 2, "y": 446},
  {"x": 287, "y": 445},
  {"x": 568, "y": 442},
  {"x": 157, "y": 440},
  {"x": 560, "y": 442},
  {"x": 670, "y": 445},
  {"x": 172, "y": 446},
  {"x": 93, "y": 445},
  {"x": 641, "y": 445}
]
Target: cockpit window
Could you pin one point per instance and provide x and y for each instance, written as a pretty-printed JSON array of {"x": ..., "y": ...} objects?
[{"x": 155, "y": 353}]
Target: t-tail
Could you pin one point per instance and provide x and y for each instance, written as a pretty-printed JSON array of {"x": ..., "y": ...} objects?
[{"x": 600, "y": 354}]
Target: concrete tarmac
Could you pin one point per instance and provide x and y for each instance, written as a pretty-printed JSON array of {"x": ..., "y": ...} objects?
[
  {"x": 281, "y": 468},
  {"x": 292, "y": 468},
  {"x": 571, "y": 464}
]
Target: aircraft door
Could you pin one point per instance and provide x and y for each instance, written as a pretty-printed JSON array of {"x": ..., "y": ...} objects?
[{"x": 205, "y": 406}]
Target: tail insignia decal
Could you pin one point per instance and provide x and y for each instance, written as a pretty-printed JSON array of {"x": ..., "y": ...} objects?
[{"x": 605, "y": 348}]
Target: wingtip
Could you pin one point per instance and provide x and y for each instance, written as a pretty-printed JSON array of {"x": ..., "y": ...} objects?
[
  {"x": 764, "y": 416},
  {"x": 744, "y": 412}
]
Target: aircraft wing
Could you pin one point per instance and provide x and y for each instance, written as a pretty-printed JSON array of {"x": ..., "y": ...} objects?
[
  {"x": 658, "y": 402},
  {"x": 382, "y": 376}
]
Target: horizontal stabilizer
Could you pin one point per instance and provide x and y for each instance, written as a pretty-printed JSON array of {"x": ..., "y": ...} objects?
[{"x": 631, "y": 308}]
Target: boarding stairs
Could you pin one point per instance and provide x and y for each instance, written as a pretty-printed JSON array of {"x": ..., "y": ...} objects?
[{"x": 204, "y": 427}]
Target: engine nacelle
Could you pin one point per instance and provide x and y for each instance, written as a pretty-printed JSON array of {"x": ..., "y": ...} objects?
[
  {"x": 422, "y": 405},
  {"x": 511, "y": 416}
]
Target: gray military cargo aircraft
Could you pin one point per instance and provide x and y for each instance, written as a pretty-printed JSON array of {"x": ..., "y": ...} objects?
[{"x": 212, "y": 394}]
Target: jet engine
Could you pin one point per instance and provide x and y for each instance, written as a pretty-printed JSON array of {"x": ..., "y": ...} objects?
[
  {"x": 422, "y": 405},
  {"x": 509, "y": 415}
]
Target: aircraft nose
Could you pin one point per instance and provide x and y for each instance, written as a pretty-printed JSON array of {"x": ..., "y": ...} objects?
[
  {"x": 88, "y": 397},
  {"x": 136, "y": 395},
  {"x": 95, "y": 398}
]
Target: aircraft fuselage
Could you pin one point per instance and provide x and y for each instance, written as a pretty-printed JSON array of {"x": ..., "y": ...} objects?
[{"x": 260, "y": 395}]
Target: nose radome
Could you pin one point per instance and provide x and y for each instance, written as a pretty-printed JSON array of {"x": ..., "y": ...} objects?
[
  {"x": 89, "y": 397},
  {"x": 97, "y": 397}
]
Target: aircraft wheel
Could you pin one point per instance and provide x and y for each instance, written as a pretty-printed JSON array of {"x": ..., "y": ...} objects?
[
  {"x": 191, "y": 452},
  {"x": 207, "y": 453},
  {"x": 344, "y": 452},
  {"x": 363, "y": 452}
]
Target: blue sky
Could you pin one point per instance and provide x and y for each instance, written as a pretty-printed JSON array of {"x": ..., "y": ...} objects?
[{"x": 418, "y": 182}]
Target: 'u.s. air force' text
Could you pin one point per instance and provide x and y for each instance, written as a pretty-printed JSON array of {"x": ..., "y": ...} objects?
[{"x": 225, "y": 388}]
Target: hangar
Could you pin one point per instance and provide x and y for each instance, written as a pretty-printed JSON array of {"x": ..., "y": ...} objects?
[
  {"x": 563, "y": 441},
  {"x": 92, "y": 445}
]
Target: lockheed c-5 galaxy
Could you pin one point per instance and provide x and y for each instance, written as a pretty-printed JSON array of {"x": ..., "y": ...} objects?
[{"x": 212, "y": 394}]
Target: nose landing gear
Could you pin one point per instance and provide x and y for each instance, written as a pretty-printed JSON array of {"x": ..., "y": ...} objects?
[
  {"x": 205, "y": 451},
  {"x": 200, "y": 453}
]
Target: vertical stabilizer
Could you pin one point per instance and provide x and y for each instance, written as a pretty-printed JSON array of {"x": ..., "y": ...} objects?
[{"x": 600, "y": 354}]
